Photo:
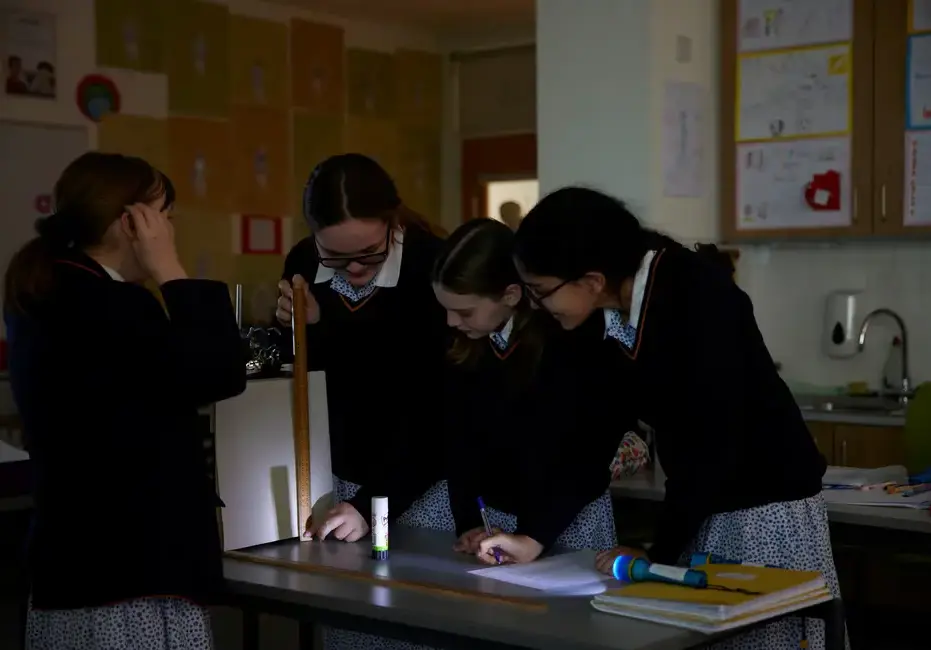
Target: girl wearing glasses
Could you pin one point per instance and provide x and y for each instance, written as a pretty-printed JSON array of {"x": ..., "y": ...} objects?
[
  {"x": 517, "y": 403},
  {"x": 375, "y": 328},
  {"x": 743, "y": 472}
]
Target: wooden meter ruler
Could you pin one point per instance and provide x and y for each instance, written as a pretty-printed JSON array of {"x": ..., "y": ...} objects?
[
  {"x": 530, "y": 604},
  {"x": 300, "y": 415}
]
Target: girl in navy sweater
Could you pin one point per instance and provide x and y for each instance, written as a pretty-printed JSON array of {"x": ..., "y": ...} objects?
[
  {"x": 376, "y": 329},
  {"x": 680, "y": 339},
  {"x": 523, "y": 417},
  {"x": 125, "y": 550}
]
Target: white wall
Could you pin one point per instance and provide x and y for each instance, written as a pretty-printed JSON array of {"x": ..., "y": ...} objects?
[{"x": 601, "y": 76}]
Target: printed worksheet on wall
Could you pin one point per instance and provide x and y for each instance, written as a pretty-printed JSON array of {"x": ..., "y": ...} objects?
[
  {"x": 776, "y": 24},
  {"x": 775, "y": 182},
  {"x": 919, "y": 16},
  {"x": 799, "y": 93},
  {"x": 919, "y": 82},
  {"x": 683, "y": 146},
  {"x": 917, "y": 179}
]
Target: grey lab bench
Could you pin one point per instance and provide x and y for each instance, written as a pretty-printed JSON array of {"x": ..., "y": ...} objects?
[{"x": 438, "y": 620}]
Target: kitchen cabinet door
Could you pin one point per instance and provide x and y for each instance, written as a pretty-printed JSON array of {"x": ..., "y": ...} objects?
[{"x": 868, "y": 446}]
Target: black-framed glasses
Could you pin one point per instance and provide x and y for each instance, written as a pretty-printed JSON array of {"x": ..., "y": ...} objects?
[
  {"x": 538, "y": 298},
  {"x": 368, "y": 259}
]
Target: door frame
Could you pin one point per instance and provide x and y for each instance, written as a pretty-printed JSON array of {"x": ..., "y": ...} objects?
[{"x": 504, "y": 157}]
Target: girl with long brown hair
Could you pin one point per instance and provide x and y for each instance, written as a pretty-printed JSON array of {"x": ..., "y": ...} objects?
[
  {"x": 124, "y": 550},
  {"x": 524, "y": 426}
]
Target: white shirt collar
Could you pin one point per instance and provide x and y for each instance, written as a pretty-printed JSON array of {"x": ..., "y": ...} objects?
[
  {"x": 113, "y": 273},
  {"x": 636, "y": 297},
  {"x": 390, "y": 270},
  {"x": 504, "y": 334}
]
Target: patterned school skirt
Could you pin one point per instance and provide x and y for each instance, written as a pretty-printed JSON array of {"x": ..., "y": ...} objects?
[
  {"x": 141, "y": 624},
  {"x": 593, "y": 527},
  {"x": 791, "y": 535}
]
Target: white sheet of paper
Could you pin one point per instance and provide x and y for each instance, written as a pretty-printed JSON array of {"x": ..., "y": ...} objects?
[
  {"x": 777, "y": 24},
  {"x": 683, "y": 146},
  {"x": 917, "y": 178},
  {"x": 568, "y": 574},
  {"x": 919, "y": 82},
  {"x": 793, "y": 93},
  {"x": 771, "y": 180},
  {"x": 921, "y": 15},
  {"x": 877, "y": 498}
]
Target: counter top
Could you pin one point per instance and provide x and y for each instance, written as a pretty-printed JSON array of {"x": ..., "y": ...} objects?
[
  {"x": 865, "y": 418},
  {"x": 647, "y": 487}
]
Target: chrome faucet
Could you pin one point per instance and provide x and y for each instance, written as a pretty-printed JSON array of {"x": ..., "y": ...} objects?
[{"x": 906, "y": 384}]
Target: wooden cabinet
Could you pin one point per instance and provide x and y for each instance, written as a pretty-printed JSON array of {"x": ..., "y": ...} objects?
[
  {"x": 823, "y": 433},
  {"x": 863, "y": 446},
  {"x": 871, "y": 159},
  {"x": 855, "y": 445}
]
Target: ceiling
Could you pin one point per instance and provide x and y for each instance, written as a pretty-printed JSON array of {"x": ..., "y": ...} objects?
[{"x": 434, "y": 15}]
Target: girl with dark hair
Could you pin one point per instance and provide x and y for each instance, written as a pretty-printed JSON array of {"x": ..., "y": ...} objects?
[
  {"x": 108, "y": 385},
  {"x": 375, "y": 328},
  {"x": 743, "y": 472},
  {"x": 517, "y": 407}
]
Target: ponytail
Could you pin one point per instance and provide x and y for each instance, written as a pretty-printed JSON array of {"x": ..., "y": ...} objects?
[{"x": 29, "y": 276}]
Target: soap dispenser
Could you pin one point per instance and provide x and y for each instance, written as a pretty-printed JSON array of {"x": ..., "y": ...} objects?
[{"x": 841, "y": 324}]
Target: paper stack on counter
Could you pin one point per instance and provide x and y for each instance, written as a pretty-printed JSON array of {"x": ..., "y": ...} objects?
[
  {"x": 855, "y": 477},
  {"x": 766, "y": 593}
]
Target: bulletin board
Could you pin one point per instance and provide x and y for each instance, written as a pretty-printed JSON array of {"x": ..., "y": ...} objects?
[
  {"x": 130, "y": 34},
  {"x": 372, "y": 78},
  {"x": 201, "y": 164},
  {"x": 315, "y": 139},
  {"x": 376, "y": 138},
  {"x": 418, "y": 171},
  {"x": 259, "y": 276},
  {"x": 258, "y": 62},
  {"x": 144, "y": 137},
  {"x": 198, "y": 59},
  {"x": 318, "y": 68},
  {"x": 420, "y": 89},
  {"x": 790, "y": 138},
  {"x": 262, "y": 169},
  {"x": 205, "y": 243},
  {"x": 27, "y": 179}
]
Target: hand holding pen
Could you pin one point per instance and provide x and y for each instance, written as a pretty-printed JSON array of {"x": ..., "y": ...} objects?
[
  {"x": 488, "y": 531},
  {"x": 505, "y": 548}
]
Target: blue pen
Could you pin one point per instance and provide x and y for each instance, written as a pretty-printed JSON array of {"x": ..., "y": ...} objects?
[{"x": 481, "y": 509}]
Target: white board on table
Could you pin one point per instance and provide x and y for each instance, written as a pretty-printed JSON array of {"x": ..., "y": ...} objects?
[
  {"x": 34, "y": 155},
  {"x": 255, "y": 461}
]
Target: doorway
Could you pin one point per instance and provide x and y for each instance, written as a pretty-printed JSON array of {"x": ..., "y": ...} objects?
[
  {"x": 509, "y": 200},
  {"x": 494, "y": 159}
]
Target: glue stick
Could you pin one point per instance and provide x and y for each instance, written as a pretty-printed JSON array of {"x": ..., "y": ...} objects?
[{"x": 379, "y": 528}]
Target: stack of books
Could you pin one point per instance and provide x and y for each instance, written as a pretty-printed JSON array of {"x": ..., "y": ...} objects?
[{"x": 737, "y": 595}]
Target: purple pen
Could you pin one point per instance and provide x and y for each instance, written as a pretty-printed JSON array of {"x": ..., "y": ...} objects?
[{"x": 481, "y": 509}]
